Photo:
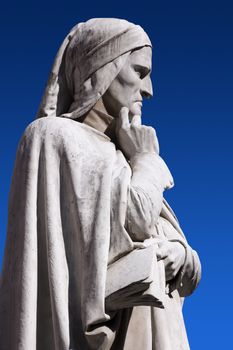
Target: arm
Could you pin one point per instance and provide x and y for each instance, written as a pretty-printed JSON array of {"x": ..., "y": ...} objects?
[
  {"x": 150, "y": 175},
  {"x": 145, "y": 195}
]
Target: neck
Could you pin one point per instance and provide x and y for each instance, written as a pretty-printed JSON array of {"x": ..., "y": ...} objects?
[{"x": 99, "y": 119}]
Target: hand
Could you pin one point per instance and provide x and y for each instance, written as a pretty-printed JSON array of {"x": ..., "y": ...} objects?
[
  {"x": 173, "y": 255},
  {"x": 133, "y": 137}
]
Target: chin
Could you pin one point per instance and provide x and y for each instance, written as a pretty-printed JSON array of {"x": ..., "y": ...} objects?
[{"x": 135, "y": 111}]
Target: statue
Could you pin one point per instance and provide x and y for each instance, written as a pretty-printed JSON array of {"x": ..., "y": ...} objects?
[{"x": 95, "y": 257}]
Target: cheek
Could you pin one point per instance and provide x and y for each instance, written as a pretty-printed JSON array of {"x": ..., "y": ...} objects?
[
  {"x": 134, "y": 87},
  {"x": 128, "y": 95},
  {"x": 123, "y": 91},
  {"x": 129, "y": 79},
  {"x": 130, "y": 90}
]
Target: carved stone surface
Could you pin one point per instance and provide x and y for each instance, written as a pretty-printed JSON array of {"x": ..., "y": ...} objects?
[{"x": 95, "y": 257}]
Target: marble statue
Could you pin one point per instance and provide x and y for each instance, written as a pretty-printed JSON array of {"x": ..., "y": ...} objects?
[{"x": 95, "y": 257}]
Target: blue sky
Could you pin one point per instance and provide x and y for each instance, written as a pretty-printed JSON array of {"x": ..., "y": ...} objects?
[{"x": 192, "y": 111}]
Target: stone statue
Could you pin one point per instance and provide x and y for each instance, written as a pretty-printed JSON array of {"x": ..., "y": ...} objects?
[{"x": 95, "y": 257}]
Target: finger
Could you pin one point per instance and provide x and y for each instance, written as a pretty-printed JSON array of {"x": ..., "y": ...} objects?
[
  {"x": 136, "y": 120},
  {"x": 124, "y": 117},
  {"x": 161, "y": 253}
]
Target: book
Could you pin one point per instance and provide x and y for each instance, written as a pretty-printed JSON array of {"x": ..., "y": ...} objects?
[{"x": 134, "y": 280}]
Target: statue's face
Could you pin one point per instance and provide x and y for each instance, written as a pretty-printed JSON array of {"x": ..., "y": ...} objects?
[{"x": 132, "y": 84}]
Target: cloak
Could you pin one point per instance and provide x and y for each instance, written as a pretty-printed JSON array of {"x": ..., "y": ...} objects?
[{"x": 72, "y": 212}]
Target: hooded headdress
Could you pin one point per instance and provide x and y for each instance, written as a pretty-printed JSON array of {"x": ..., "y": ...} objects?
[{"x": 89, "y": 59}]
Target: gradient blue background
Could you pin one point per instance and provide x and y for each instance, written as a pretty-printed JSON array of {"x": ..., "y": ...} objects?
[{"x": 191, "y": 111}]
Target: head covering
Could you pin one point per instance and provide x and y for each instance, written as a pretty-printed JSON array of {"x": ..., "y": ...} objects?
[{"x": 89, "y": 59}]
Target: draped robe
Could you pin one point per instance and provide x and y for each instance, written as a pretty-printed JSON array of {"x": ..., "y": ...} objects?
[{"x": 74, "y": 209}]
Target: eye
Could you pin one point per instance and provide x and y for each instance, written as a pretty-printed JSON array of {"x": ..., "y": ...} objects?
[
  {"x": 141, "y": 71},
  {"x": 139, "y": 74}
]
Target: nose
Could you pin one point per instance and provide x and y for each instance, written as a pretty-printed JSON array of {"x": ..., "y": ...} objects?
[{"x": 146, "y": 87}]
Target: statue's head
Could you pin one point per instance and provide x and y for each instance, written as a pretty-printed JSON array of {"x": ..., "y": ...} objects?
[
  {"x": 131, "y": 85},
  {"x": 101, "y": 58}
]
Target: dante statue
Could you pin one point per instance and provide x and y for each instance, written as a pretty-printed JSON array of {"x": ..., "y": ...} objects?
[{"x": 95, "y": 257}]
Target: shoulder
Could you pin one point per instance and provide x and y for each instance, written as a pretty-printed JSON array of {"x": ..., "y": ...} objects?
[
  {"x": 65, "y": 135},
  {"x": 62, "y": 129},
  {"x": 53, "y": 127}
]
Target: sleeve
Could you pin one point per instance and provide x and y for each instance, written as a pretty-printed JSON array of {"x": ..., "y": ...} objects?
[
  {"x": 190, "y": 274},
  {"x": 150, "y": 177}
]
